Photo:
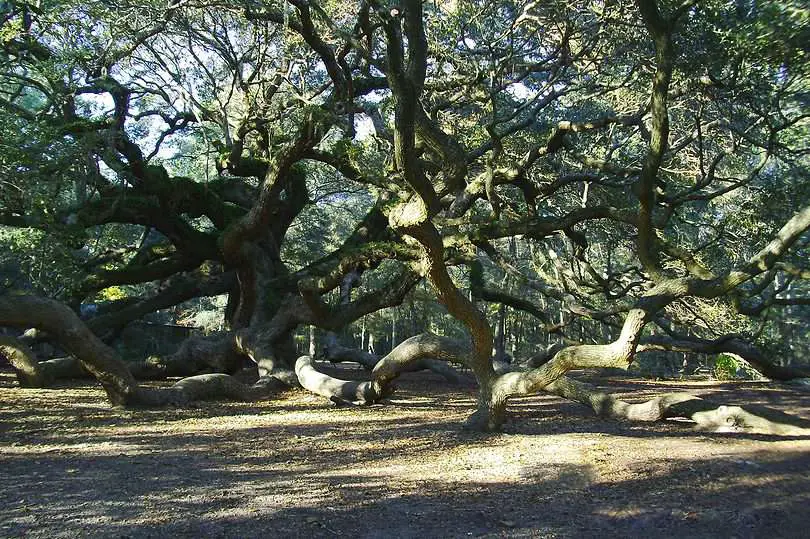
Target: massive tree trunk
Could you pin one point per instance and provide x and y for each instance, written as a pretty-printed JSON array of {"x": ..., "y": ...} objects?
[{"x": 268, "y": 343}]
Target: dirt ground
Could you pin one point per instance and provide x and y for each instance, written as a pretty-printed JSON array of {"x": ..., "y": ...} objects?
[{"x": 70, "y": 466}]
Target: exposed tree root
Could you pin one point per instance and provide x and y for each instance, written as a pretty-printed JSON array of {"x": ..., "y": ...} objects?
[{"x": 706, "y": 414}]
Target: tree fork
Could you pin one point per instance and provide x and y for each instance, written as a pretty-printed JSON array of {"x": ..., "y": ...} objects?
[{"x": 412, "y": 219}]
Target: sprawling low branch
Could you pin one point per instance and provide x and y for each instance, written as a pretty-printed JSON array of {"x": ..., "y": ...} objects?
[
  {"x": 181, "y": 288},
  {"x": 24, "y": 362},
  {"x": 406, "y": 356},
  {"x": 337, "y": 390},
  {"x": 731, "y": 345},
  {"x": 73, "y": 335},
  {"x": 620, "y": 353},
  {"x": 706, "y": 414},
  {"x": 417, "y": 359},
  {"x": 109, "y": 369}
]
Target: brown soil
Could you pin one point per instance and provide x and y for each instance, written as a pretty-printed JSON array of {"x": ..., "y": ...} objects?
[{"x": 72, "y": 467}]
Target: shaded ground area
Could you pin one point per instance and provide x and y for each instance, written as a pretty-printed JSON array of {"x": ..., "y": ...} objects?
[{"x": 71, "y": 466}]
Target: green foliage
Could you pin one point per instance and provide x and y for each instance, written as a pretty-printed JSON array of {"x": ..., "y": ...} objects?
[
  {"x": 33, "y": 261},
  {"x": 245, "y": 87},
  {"x": 725, "y": 367},
  {"x": 111, "y": 293}
]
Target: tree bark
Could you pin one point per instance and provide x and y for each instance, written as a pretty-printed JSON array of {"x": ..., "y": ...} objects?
[
  {"x": 335, "y": 353},
  {"x": 707, "y": 415},
  {"x": 412, "y": 219},
  {"x": 620, "y": 352},
  {"x": 414, "y": 350},
  {"x": 335, "y": 389},
  {"x": 75, "y": 337},
  {"x": 109, "y": 369},
  {"x": 24, "y": 362},
  {"x": 206, "y": 387}
]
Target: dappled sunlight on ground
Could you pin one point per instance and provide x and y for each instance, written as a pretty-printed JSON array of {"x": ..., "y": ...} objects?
[{"x": 71, "y": 466}]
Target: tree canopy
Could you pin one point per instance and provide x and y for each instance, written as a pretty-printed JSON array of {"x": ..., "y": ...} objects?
[{"x": 590, "y": 181}]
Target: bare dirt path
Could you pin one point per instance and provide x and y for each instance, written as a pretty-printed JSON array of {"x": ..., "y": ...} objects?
[{"x": 72, "y": 467}]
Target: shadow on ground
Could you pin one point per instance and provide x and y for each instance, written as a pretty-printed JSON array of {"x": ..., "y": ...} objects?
[{"x": 72, "y": 467}]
